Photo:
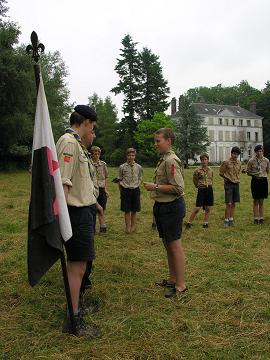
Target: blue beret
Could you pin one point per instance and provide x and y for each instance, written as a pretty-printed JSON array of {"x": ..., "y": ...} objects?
[
  {"x": 258, "y": 147},
  {"x": 86, "y": 111}
]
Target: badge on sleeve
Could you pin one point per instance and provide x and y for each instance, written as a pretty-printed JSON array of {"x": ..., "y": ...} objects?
[
  {"x": 67, "y": 158},
  {"x": 172, "y": 169}
]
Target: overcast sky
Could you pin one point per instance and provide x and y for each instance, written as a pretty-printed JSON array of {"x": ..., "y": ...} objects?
[{"x": 199, "y": 42}]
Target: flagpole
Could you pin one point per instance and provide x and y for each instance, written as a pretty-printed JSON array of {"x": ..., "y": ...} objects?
[{"x": 37, "y": 48}]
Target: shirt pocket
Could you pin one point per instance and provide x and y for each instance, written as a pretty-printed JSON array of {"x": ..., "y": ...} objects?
[{"x": 83, "y": 166}]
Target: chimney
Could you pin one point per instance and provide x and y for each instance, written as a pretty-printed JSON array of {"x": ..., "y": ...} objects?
[
  {"x": 173, "y": 106},
  {"x": 180, "y": 101},
  {"x": 252, "y": 107}
]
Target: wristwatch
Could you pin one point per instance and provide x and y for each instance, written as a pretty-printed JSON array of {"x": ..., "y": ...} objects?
[{"x": 156, "y": 187}]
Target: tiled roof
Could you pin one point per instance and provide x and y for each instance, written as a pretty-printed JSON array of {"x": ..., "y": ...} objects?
[{"x": 224, "y": 110}]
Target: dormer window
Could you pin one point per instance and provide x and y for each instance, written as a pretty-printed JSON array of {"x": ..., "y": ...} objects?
[{"x": 220, "y": 121}]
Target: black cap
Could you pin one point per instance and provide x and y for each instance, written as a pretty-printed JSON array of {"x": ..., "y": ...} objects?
[
  {"x": 236, "y": 150},
  {"x": 86, "y": 111},
  {"x": 258, "y": 147}
]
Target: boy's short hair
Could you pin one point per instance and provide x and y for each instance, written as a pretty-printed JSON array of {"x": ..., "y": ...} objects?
[
  {"x": 131, "y": 151},
  {"x": 236, "y": 150},
  {"x": 204, "y": 155},
  {"x": 258, "y": 147},
  {"x": 95, "y": 148},
  {"x": 167, "y": 133}
]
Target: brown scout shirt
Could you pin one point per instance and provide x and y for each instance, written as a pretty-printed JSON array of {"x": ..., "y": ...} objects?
[
  {"x": 130, "y": 175},
  {"x": 75, "y": 171},
  {"x": 258, "y": 167},
  {"x": 169, "y": 171},
  {"x": 230, "y": 170},
  {"x": 203, "y": 177},
  {"x": 101, "y": 173}
]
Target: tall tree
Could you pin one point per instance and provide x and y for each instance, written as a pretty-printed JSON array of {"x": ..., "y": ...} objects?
[
  {"x": 128, "y": 69},
  {"x": 106, "y": 125},
  {"x": 154, "y": 90},
  {"x": 191, "y": 135},
  {"x": 144, "y": 137}
]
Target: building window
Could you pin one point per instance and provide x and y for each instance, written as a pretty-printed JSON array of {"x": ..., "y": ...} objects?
[
  {"x": 248, "y": 123},
  {"x": 220, "y": 121},
  {"x": 220, "y": 135},
  {"x": 249, "y": 151},
  {"x": 227, "y": 122},
  {"x": 248, "y": 135},
  {"x": 233, "y": 135},
  {"x": 210, "y": 121},
  {"x": 240, "y": 122},
  {"x": 233, "y": 122},
  {"x": 256, "y": 136},
  {"x": 227, "y": 135},
  {"x": 212, "y": 135}
]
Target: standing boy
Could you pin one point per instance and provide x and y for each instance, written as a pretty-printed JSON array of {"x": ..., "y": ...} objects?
[
  {"x": 258, "y": 168},
  {"x": 79, "y": 192},
  {"x": 130, "y": 176},
  {"x": 102, "y": 179},
  {"x": 203, "y": 181},
  {"x": 230, "y": 171},
  {"x": 169, "y": 209}
]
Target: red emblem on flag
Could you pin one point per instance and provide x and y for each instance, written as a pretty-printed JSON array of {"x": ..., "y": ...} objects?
[{"x": 172, "y": 169}]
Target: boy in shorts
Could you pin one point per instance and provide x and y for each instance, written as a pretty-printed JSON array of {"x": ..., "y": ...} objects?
[
  {"x": 203, "y": 181},
  {"x": 230, "y": 171},
  {"x": 258, "y": 168},
  {"x": 169, "y": 210},
  {"x": 102, "y": 179},
  {"x": 130, "y": 176}
]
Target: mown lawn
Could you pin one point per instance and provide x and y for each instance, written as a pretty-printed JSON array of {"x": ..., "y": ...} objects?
[{"x": 224, "y": 315}]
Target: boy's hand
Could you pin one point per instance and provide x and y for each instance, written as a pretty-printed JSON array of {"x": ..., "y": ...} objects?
[{"x": 149, "y": 186}]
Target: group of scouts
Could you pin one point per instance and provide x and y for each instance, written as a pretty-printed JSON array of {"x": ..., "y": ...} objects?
[
  {"x": 257, "y": 168},
  {"x": 85, "y": 183}
]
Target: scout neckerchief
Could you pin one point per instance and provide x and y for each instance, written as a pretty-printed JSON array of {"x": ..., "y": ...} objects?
[
  {"x": 77, "y": 137},
  {"x": 205, "y": 176},
  {"x": 259, "y": 163}
]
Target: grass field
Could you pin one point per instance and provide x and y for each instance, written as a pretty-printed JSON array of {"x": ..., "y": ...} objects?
[{"x": 224, "y": 315}]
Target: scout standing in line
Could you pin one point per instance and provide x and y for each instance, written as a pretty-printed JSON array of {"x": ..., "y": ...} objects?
[
  {"x": 258, "y": 168},
  {"x": 230, "y": 171},
  {"x": 102, "y": 178},
  {"x": 169, "y": 209},
  {"x": 79, "y": 192},
  {"x": 203, "y": 181},
  {"x": 130, "y": 176}
]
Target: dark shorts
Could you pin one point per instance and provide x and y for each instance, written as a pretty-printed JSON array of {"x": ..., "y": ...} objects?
[
  {"x": 81, "y": 246},
  {"x": 130, "y": 199},
  {"x": 169, "y": 218},
  {"x": 232, "y": 194},
  {"x": 102, "y": 198},
  {"x": 205, "y": 197},
  {"x": 259, "y": 187}
]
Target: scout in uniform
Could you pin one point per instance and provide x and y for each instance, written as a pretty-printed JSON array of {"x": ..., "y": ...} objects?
[
  {"x": 130, "y": 176},
  {"x": 101, "y": 171},
  {"x": 258, "y": 168},
  {"x": 230, "y": 171},
  {"x": 169, "y": 209},
  {"x": 79, "y": 192},
  {"x": 203, "y": 181}
]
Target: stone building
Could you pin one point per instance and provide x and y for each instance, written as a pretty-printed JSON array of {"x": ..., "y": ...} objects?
[{"x": 228, "y": 126}]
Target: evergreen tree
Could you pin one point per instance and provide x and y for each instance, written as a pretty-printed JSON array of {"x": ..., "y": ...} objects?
[
  {"x": 154, "y": 89},
  {"x": 106, "y": 125},
  {"x": 191, "y": 135},
  {"x": 128, "y": 69}
]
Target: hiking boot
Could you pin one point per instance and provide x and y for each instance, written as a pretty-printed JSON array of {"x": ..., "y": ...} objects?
[
  {"x": 165, "y": 283},
  {"x": 81, "y": 328},
  {"x": 256, "y": 221},
  {"x": 205, "y": 226},
  {"x": 174, "y": 292},
  {"x": 102, "y": 229},
  {"x": 188, "y": 226},
  {"x": 226, "y": 223},
  {"x": 231, "y": 222},
  {"x": 88, "y": 305},
  {"x": 261, "y": 221}
]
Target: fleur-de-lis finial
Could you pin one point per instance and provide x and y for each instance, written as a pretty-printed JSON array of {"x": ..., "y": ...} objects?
[{"x": 36, "y": 47}]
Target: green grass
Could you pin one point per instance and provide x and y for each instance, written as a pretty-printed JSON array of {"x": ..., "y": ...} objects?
[{"x": 224, "y": 315}]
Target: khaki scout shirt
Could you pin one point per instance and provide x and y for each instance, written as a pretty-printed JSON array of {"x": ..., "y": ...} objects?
[
  {"x": 75, "y": 172},
  {"x": 130, "y": 175},
  {"x": 203, "y": 177},
  {"x": 101, "y": 173},
  {"x": 258, "y": 167},
  {"x": 169, "y": 171},
  {"x": 230, "y": 170}
]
